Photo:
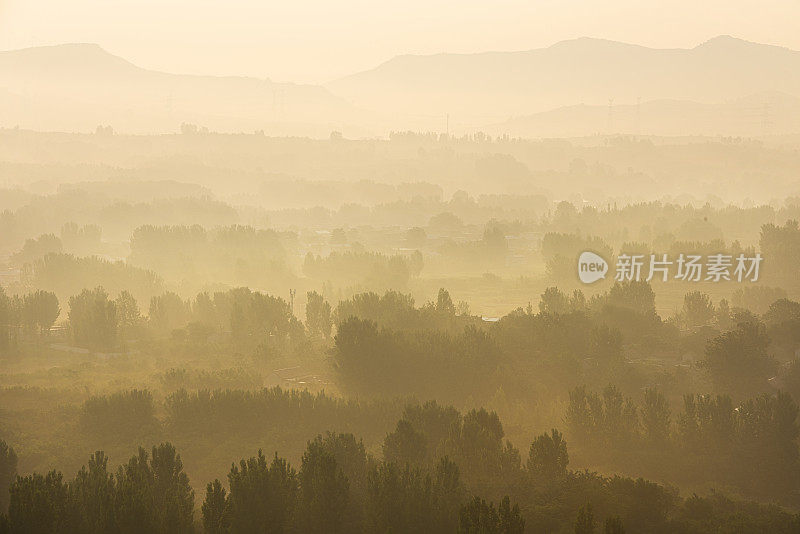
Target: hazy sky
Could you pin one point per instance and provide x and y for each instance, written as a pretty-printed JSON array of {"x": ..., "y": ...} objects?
[{"x": 315, "y": 40}]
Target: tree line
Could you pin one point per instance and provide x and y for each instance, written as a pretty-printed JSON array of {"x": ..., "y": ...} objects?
[
  {"x": 431, "y": 478},
  {"x": 750, "y": 445},
  {"x": 30, "y": 315}
]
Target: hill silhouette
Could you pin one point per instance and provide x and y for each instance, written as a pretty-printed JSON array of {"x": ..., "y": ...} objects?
[
  {"x": 583, "y": 86},
  {"x": 477, "y": 89},
  {"x": 78, "y": 86},
  {"x": 768, "y": 113}
]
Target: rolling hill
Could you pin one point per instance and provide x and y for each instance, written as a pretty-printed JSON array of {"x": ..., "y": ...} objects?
[
  {"x": 79, "y": 86},
  {"x": 478, "y": 89},
  {"x": 769, "y": 113},
  {"x": 585, "y": 86}
]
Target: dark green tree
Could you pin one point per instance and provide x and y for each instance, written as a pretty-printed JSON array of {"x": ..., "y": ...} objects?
[
  {"x": 262, "y": 496},
  {"x": 477, "y": 447},
  {"x": 38, "y": 504},
  {"x": 215, "y": 509},
  {"x": 738, "y": 361},
  {"x": 480, "y": 517},
  {"x": 655, "y": 417},
  {"x": 324, "y": 498},
  {"x": 168, "y": 312},
  {"x": 511, "y": 521},
  {"x": 93, "y": 319},
  {"x": 405, "y": 445},
  {"x": 91, "y": 497},
  {"x": 40, "y": 310},
  {"x": 172, "y": 490},
  {"x": 399, "y": 499},
  {"x": 128, "y": 315},
  {"x": 318, "y": 315},
  {"x": 548, "y": 457},
  {"x": 448, "y": 495},
  {"x": 10, "y": 312},
  {"x": 697, "y": 310},
  {"x": 554, "y": 301},
  {"x": 444, "y": 304},
  {"x": 155, "y": 495}
]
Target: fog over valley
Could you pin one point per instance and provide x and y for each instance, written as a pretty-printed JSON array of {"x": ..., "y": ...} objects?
[{"x": 473, "y": 291}]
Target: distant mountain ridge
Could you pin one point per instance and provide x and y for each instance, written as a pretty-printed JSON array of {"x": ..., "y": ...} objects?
[
  {"x": 493, "y": 86},
  {"x": 574, "y": 87},
  {"x": 79, "y": 86}
]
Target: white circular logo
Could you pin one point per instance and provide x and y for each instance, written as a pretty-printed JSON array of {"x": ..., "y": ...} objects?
[{"x": 591, "y": 267}]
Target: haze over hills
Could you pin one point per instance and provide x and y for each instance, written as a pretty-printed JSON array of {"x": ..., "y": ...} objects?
[
  {"x": 478, "y": 89},
  {"x": 724, "y": 86},
  {"x": 79, "y": 86},
  {"x": 768, "y": 113}
]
